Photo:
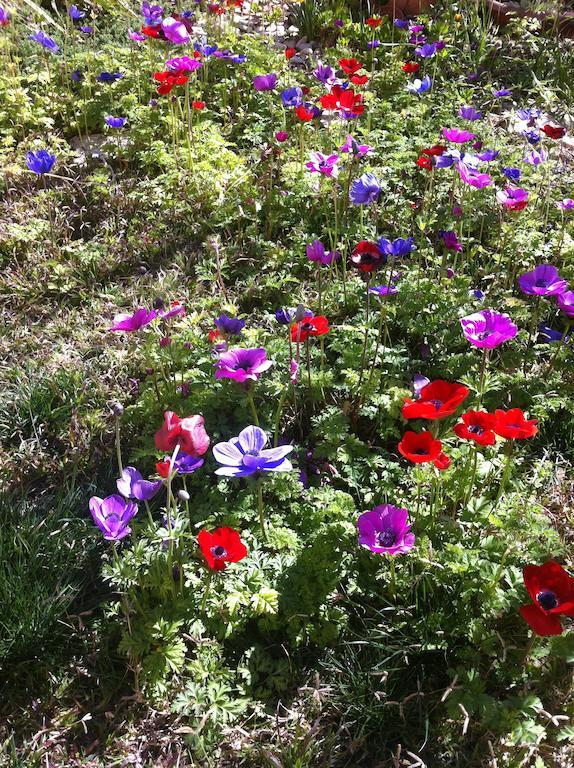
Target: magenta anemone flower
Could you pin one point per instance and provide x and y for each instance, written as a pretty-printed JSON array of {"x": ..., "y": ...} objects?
[
  {"x": 488, "y": 329},
  {"x": 175, "y": 31},
  {"x": 567, "y": 204},
  {"x": 183, "y": 64},
  {"x": 472, "y": 177},
  {"x": 246, "y": 455},
  {"x": 324, "y": 164},
  {"x": 242, "y": 364},
  {"x": 544, "y": 280},
  {"x": 385, "y": 530},
  {"x": 565, "y": 302},
  {"x": 513, "y": 198},
  {"x": 457, "y": 135},
  {"x": 354, "y": 148},
  {"x": 112, "y": 515},
  {"x": 136, "y": 37},
  {"x": 131, "y": 323},
  {"x": 264, "y": 82},
  {"x": 132, "y": 485}
]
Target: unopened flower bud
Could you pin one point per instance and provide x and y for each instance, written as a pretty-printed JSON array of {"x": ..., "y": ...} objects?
[
  {"x": 183, "y": 495},
  {"x": 117, "y": 409}
]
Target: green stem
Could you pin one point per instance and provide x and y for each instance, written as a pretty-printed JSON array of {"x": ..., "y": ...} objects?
[
  {"x": 506, "y": 472},
  {"x": 118, "y": 446},
  {"x": 260, "y": 508},
  {"x": 251, "y": 404}
]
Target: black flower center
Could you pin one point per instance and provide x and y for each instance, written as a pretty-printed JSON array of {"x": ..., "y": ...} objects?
[
  {"x": 541, "y": 283},
  {"x": 476, "y": 430},
  {"x": 437, "y": 404},
  {"x": 547, "y": 599},
  {"x": 219, "y": 552},
  {"x": 386, "y": 538}
]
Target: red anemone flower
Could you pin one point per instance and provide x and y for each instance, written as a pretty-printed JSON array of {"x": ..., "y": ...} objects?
[
  {"x": 345, "y": 99},
  {"x": 367, "y": 256},
  {"x": 163, "y": 468},
  {"x": 199, "y": 105},
  {"x": 150, "y": 31},
  {"x": 310, "y": 326},
  {"x": 359, "y": 79},
  {"x": 420, "y": 447},
  {"x": 424, "y": 162},
  {"x": 188, "y": 433},
  {"x": 477, "y": 426},
  {"x": 304, "y": 114},
  {"x": 437, "y": 400},
  {"x": 554, "y": 131},
  {"x": 220, "y": 547},
  {"x": 168, "y": 80},
  {"x": 513, "y": 425},
  {"x": 290, "y": 52},
  {"x": 552, "y": 593},
  {"x": 410, "y": 67},
  {"x": 350, "y": 66},
  {"x": 436, "y": 149},
  {"x": 442, "y": 461},
  {"x": 374, "y": 22}
]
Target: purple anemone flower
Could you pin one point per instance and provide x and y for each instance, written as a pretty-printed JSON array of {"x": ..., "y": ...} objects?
[
  {"x": 567, "y": 204},
  {"x": 246, "y": 455},
  {"x": 108, "y": 77},
  {"x": 325, "y": 74},
  {"x": 426, "y": 51},
  {"x": 40, "y": 162},
  {"x": 469, "y": 113},
  {"x": 384, "y": 290},
  {"x": 75, "y": 13},
  {"x": 132, "y": 485},
  {"x": 242, "y": 365},
  {"x": 316, "y": 252},
  {"x": 450, "y": 240},
  {"x": 513, "y": 174},
  {"x": 548, "y": 335},
  {"x": 184, "y": 463},
  {"x": 565, "y": 302},
  {"x": 501, "y": 93},
  {"x": 264, "y": 82},
  {"x": 544, "y": 280},
  {"x": 45, "y": 41},
  {"x": 457, "y": 135},
  {"x": 535, "y": 157},
  {"x": 284, "y": 316},
  {"x": 136, "y": 37},
  {"x": 385, "y": 530},
  {"x": 232, "y": 326},
  {"x": 115, "y": 122},
  {"x": 151, "y": 13},
  {"x": 488, "y": 329},
  {"x": 488, "y": 155},
  {"x": 364, "y": 190},
  {"x": 292, "y": 97},
  {"x": 112, "y": 515},
  {"x": 420, "y": 86},
  {"x": 87, "y": 30},
  {"x": 323, "y": 164},
  {"x": 397, "y": 248},
  {"x": 130, "y": 323}
]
